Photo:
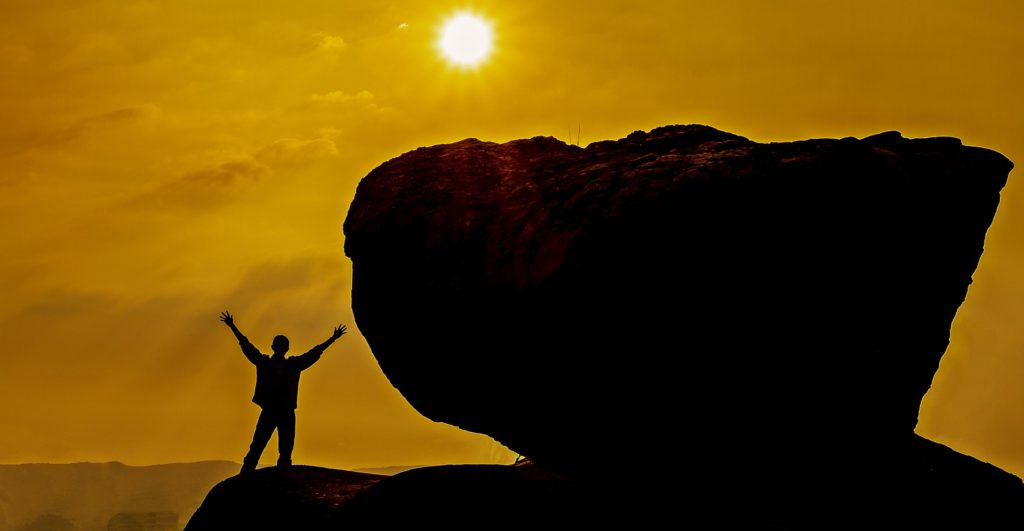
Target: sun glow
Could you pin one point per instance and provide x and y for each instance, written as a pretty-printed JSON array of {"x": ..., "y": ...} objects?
[{"x": 465, "y": 39}]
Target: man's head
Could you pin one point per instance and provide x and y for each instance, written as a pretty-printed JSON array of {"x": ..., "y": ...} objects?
[{"x": 280, "y": 345}]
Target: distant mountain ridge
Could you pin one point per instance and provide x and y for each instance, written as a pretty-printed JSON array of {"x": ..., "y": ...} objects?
[{"x": 86, "y": 496}]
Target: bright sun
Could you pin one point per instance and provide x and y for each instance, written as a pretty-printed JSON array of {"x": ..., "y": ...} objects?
[{"x": 465, "y": 39}]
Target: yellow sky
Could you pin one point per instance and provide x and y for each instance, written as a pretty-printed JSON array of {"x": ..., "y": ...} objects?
[{"x": 163, "y": 161}]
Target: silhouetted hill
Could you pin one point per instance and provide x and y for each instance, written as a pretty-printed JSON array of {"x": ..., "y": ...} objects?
[{"x": 87, "y": 496}]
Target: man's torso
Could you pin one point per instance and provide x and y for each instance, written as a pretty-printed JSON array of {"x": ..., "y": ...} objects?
[{"x": 277, "y": 383}]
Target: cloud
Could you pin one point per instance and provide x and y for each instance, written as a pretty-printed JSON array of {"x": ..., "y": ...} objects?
[
  {"x": 296, "y": 151},
  {"x": 69, "y": 301},
  {"x": 227, "y": 174},
  {"x": 90, "y": 125},
  {"x": 121, "y": 116},
  {"x": 217, "y": 182},
  {"x": 328, "y": 42},
  {"x": 206, "y": 186},
  {"x": 284, "y": 275},
  {"x": 339, "y": 96},
  {"x": 363, "y": 100}
]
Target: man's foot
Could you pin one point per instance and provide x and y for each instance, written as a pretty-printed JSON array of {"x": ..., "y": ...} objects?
[
  {"x": 284, "y": 463},
  {"x": 248, "y": 468}
]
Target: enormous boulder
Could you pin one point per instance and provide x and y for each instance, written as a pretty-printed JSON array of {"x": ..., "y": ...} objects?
[{"x": 681, "y": 296}]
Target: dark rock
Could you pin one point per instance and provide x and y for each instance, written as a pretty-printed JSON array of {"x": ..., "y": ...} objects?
[
  {"x": 454, "y": 496},
  {"x": 771, "y": 312},
  {"x": 291, "y": 498},
  {"x": 920, "y": 485},
  {"x": 578, "y": 303},
  {"x": 481, "y": 496}
]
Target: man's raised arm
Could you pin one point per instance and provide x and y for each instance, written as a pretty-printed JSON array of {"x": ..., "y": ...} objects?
[
  {"x": 311, "y": 357},
  {"x": 247, "y": 347}
]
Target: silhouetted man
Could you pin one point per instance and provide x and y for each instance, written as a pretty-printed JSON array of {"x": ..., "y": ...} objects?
[{"x": 277, "y": 391}]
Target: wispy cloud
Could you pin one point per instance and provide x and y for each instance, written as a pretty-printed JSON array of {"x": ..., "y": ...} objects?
[
  {"x": 340, "y": 96},
  {"x": 328, "y": 42},
  {"x": 297, "y": 151},
  {"x": 214, "y": 183},
  {"x": 205, "y": 186},
  {"x": 227, "y": 174},
  {"x": 57, "y": 135}
]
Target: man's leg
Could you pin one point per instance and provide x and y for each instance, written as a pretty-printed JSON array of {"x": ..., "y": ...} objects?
[
  {"x": 285, "y": 436},
  {"x": 264, "y": 429}
]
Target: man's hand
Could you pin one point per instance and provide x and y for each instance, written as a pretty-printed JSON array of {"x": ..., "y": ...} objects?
[
  {"x": 227, "y": 318},
  {"x": 339, "y": 331}
]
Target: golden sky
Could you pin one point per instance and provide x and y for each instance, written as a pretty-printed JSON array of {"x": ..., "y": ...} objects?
[{"x": 163, "y": 161}]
